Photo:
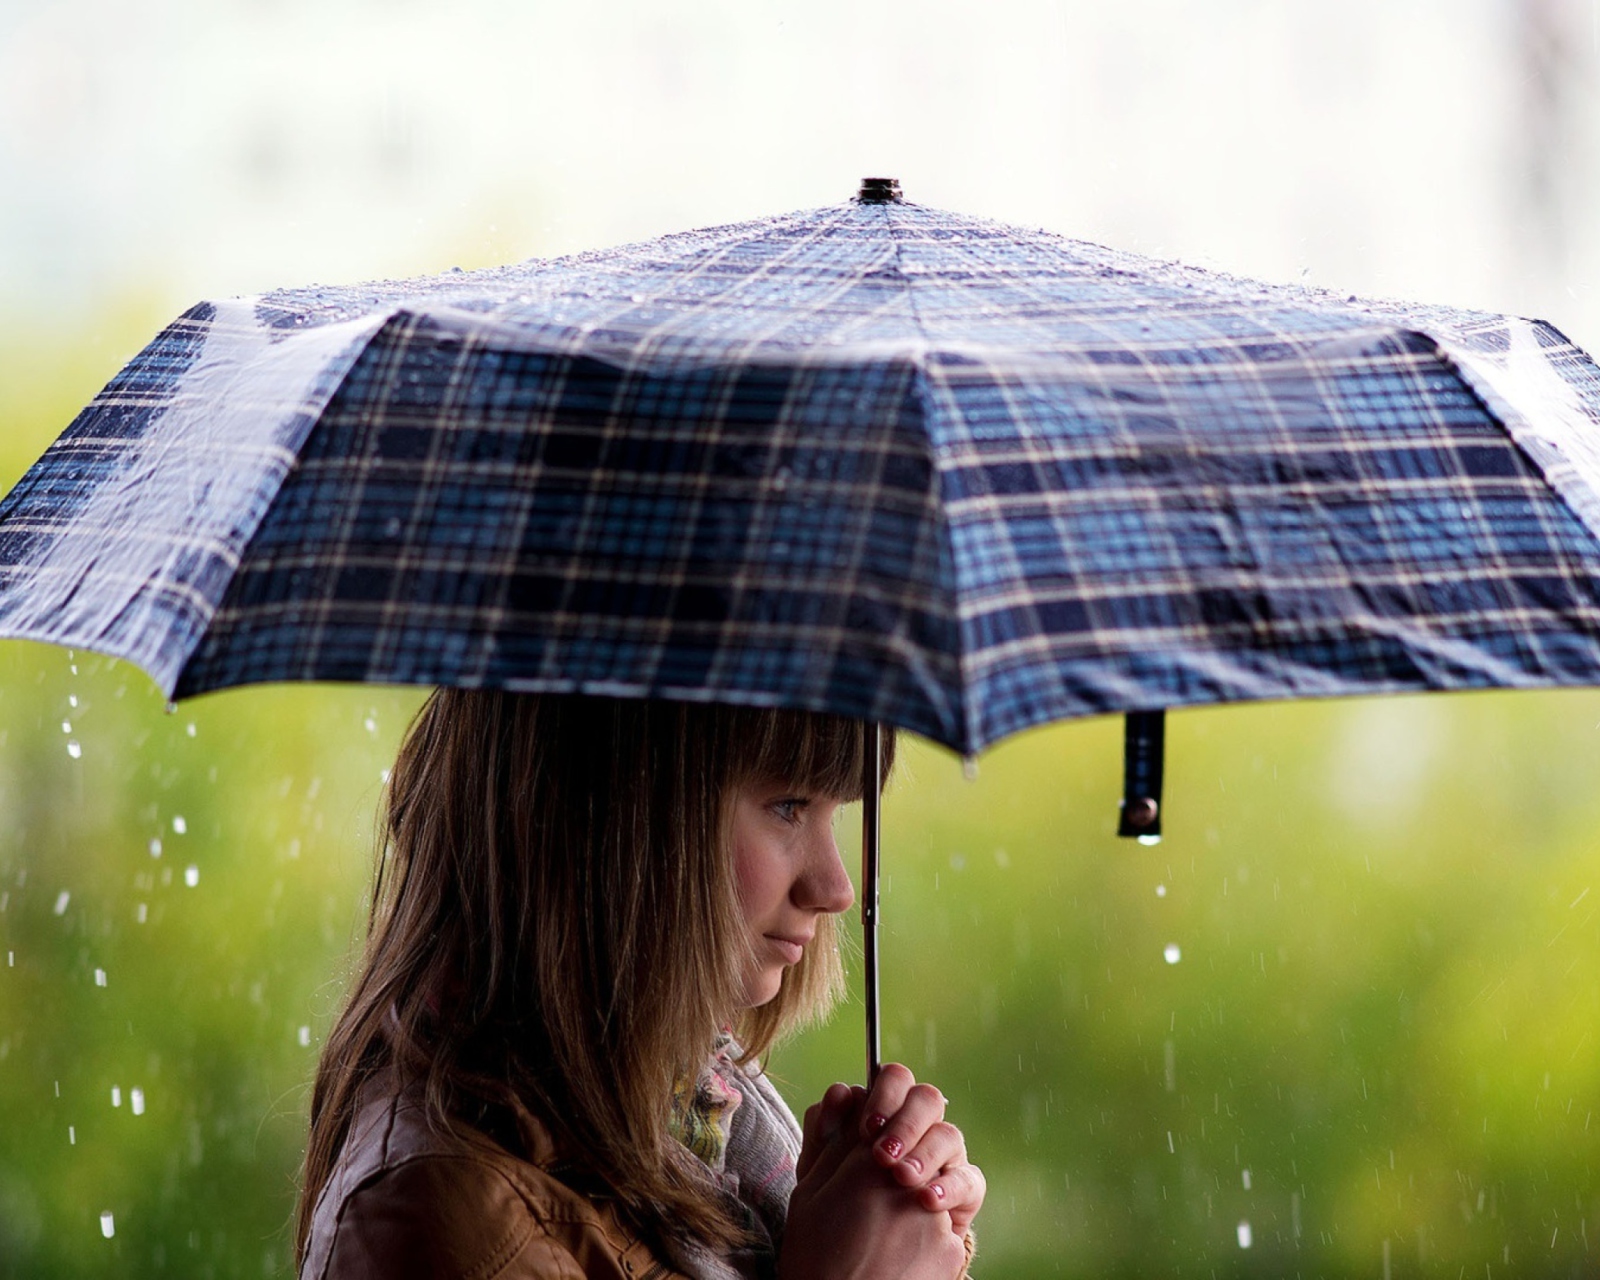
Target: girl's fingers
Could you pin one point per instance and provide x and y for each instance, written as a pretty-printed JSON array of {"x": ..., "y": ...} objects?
[
  {"x": 922, "y": 1108},
  {"x": 958, "y": 1190},
  {"x": 940, "y": 1147},
  {"x": 886, "y": 1097},
  {"x": 824, "y": 1122}
]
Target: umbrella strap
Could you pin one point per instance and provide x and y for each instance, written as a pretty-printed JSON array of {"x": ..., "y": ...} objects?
[
  {"x": 1143, "y": 749},
  {"x": 871, "y": 801}
]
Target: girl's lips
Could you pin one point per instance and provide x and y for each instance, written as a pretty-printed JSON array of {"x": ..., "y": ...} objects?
[{"x": 789, "y": 948}]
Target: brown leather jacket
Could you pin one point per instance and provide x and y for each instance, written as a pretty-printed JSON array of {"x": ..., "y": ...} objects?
[{"x": 405, "y": 1203}]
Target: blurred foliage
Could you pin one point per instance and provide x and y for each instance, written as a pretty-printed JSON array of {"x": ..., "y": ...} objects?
[{"x": 1377, "y": 1045}]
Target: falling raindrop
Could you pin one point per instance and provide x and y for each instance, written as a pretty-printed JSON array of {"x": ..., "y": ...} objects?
[
  {"x": 108, "y": 1226},
  {"x": 62, "y": 898},
  {"x": 370, "y": 725},
  {"x": 73, "y": 749},
  {"x": 99, "y": 977},
  {"x": 136, "y": 1101},
  {"x": 1161, "y": 891},
  {"x": 66, "y": 726},
  {"x": 72, "y": 1135},
  {"x": 191, "y": 730},
  {"x": 116, "y": 1095},
  {"x": 179, "y": 824},
  {"x": 1245, "y": 1238},
  {"x": 141, "y": 913},
  {"x": 155, "y": 847},
  {"x": 305, "y": 1037},
  {"x": 969, "y": 767},
  {"x": 72, "y": 700},
  {"x": 1149, "y": 840},
  {"x": 1245, "y": 1174},
  {"x": 1172, "y": 953},
  {"x": 191, "y": 875}
]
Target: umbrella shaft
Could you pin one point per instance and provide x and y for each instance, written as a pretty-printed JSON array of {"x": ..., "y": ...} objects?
[{"x": 871, "y": 795}]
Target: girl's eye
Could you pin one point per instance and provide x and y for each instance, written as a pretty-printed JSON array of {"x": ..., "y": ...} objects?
[{"x": 788, "y": 809}]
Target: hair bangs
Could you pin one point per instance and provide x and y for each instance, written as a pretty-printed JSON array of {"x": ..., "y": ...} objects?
[{"x": 812, "y": 751}]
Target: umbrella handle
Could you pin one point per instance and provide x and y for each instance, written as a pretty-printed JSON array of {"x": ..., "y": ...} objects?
[{"x": 871, "y": 798}]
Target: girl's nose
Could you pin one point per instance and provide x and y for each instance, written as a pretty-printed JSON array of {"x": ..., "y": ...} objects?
[{"x": 826, "y": 886}]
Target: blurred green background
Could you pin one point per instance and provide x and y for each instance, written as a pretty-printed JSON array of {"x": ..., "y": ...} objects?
[{"x": 1343, "y": 1022}]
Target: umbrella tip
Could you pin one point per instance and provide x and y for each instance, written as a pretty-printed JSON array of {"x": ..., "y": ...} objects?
[{"x": 879, "y": 191}]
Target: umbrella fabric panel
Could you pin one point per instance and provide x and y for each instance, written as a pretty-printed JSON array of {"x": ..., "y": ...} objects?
[
  {"x": 754, "y": 534},
  {"x": 1355, "y": 522},
  {"x": 126, "y": 538}
]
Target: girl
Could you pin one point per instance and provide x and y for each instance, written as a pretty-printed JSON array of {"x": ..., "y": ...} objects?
[{"x": 591, "y": 918}]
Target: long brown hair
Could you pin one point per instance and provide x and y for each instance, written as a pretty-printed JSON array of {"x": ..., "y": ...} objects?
[{"x": 555, "y": 932}]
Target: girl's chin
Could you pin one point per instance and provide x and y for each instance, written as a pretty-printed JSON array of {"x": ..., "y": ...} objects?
[{"x": 762, "y": 988}]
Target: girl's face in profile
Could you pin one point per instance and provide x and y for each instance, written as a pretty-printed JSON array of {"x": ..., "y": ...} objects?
[{"x": 788, "y": 872}]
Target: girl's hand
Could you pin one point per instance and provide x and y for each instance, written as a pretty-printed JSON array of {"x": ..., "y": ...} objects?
[
  {"x": 905, "y": 1123},
  {"x": 885, "y": 1188}
]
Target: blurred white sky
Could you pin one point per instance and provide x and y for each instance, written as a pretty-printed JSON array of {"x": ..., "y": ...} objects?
[{"x": 1444, "y": 150}]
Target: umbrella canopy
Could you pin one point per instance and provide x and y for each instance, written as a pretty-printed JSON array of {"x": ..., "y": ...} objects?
[{"x": 874, "y": 459}]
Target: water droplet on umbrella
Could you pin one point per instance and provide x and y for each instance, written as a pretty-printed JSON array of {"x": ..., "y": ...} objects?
[
  {"x": 155, "y": 847},
  {"x": 74, "y": 750},
  {"x": 136, "y": 1101},
  {"x": 108, "y": 1226},
  {"x": 969, "y": 767},
  {"x": 72, "y": 700},
  {"x": 66, "y": 726},
  {"x": 1172, "y": 953},
  {"x": 179, "y": 824},
  {"x": 116, "y": 1096},
  {"x": 305, "y": 1037},
  {"x": 99, "y": 977},
  {"x": 191, "y": 875},
  {"x": 370, "y": 725},
  {"x": 1245, "y": 1238},
  {"x": 62, "y": 898},
  {"x": 1149, "y": 840}
]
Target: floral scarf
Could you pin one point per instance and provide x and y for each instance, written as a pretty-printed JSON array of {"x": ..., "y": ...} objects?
[{"x": 733, "y": 1120}]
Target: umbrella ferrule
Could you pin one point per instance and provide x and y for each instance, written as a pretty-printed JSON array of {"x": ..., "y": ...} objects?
[{"x": 880, "y": 191}]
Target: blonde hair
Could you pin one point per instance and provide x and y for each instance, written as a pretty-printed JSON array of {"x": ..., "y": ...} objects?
[{"x": 555, "y": 930}]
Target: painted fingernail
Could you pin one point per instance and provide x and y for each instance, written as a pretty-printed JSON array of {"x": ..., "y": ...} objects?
[
  {"x": 892, "y": 1147},
  {"x": 876, "y": 1122}
]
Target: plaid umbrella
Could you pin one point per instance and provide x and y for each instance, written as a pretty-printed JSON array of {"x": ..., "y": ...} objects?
[{"x": 874, "y": 459}]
